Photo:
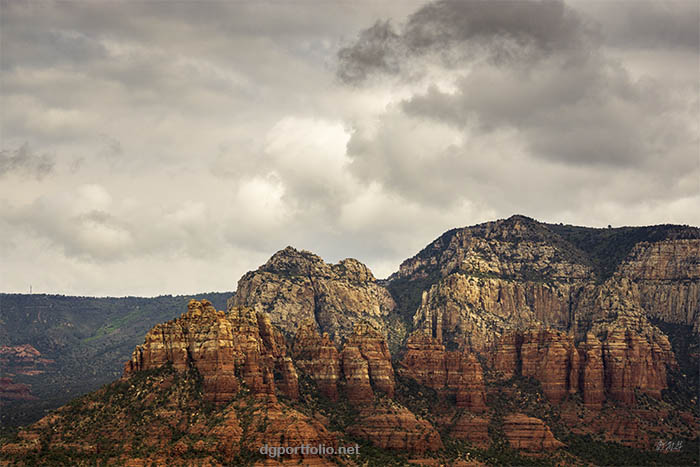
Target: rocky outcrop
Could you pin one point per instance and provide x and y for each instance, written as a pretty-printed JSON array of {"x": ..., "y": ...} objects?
[
  {"x": 483, "y": 281},
  {"x": 228, "y": 350},
  {"x": 667, "y": 274},
  {"x": 472, "y": 429},
  {"x": 294, "y": 287},
  {"x": 366, "y": 364},
  {"x": 11, "y": 391},
  {"x": 318, "y": 357},
  {"x": 395, "y": 427},
  {"x": 627, "y": 357},
  {"x": 460, "y": 373},
  {"x": 275, "y": 424},
  {"x": 22, "y": 360},
  {"x": 591, "y": 378},
  {"x": 636, "y": 354},
  {"x": 472, "y": 312},
  {"x": 518, "y": 247},
  {"x": 529, "y": 433},
  {"x": 544, "y": 354}
]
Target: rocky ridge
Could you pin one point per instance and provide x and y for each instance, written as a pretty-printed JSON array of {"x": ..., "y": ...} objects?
[{"x": 512, "y": 326}]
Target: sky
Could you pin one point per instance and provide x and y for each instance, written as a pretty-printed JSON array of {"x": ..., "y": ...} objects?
[{"x": 152, "y": 148}]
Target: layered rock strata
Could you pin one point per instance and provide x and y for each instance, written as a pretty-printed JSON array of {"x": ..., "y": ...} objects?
[
  {"x": 427, "y": 362},
  {"x": 395, "y": 427},
  {"x": 318, "y": 357},
  {"x": 625, "y": 360},
  {"x": 228, "y": 350},
  {"x": 472, "y": 429},
  {"x": 366, "y": 364},
  {"x": 668, "y": 276},
  {"x": 544, "y": 354},
  {"x": 529, "y": 433}
]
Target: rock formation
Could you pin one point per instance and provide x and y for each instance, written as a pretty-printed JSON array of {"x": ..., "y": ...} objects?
[
  {"x": 529, "y": 433},
  {"x": 427, "y": 361},
  {"x": 294, "y": 287},
  {"x": 592, "y": 379},
  {"x": 473, "y": 429},
  {"x": 11, "y": 391},
  {"x": 668, "y": 276},
  {"x": 395, "y": 427},
  {"x": 220, "y": 346},
  {"x": 544, "y": 354},
  {"x": 22, "y": 360},
  {"x": 318, "y": 357},
  {"x": 553, "y": 303},
  {"x": 636, "y": 354},
  {"x": 366, "y": 363}
]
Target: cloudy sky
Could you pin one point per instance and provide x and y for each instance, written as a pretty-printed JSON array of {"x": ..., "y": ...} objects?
[{"x": 168, "y": 147}]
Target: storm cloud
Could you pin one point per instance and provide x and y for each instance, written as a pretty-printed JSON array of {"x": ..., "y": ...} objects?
[{"x": 168, "y": 148}]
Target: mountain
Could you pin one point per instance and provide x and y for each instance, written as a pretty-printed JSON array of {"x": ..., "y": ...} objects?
[
  {"x": 511, "y": 342},
  {"x": 54, "y": 348}
]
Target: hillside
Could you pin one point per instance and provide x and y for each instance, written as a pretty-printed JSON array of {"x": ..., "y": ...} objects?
[{"x": 62, "y": 347}]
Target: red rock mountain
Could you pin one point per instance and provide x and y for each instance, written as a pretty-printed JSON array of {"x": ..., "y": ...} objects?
[{"x": 513, "y": 334}]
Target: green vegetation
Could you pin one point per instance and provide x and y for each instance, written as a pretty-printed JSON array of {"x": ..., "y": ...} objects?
[
  {"x": 89, "y": 339},
  {"x": 606, "y": 453},
  {"x": 607, "y": 248}
]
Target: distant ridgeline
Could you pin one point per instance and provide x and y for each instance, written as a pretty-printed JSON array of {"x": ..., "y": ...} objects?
[{"x": 55, "y": 347}]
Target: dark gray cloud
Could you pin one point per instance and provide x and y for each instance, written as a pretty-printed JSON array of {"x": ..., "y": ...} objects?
[
  {"x": 26, "y": 162},
  {"x": 456, "y": 30},
  {"x": 538, "y": 80}
]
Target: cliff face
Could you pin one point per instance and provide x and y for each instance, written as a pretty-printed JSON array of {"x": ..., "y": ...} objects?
[
  {"x": 221, "y": 346},
  {"x": 495, "y": 277},
  {"x": 667, "y": 274},
  {"x": 532, "y": 303},
  {"x": 396, "y": 428},
  {"x": 459, "y": 373},
  {"x": 636, "y": 354},
  {"x": 529, "y": 433},
  {"x": 367, "y": 365},
  {"x": 544, "y": 354},
  {"x": 294, "y": 287},
  {"x": 318, "y": 357}
]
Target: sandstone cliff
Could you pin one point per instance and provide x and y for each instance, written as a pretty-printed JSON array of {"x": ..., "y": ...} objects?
[
  {"x": 667, "y": 274},
  {"x": 533, "y": 303},
  {"x": 367, "y": 365},
  {"x": 460, "y": 373},
  {"x": 227, "y": 349},
  {"x": 395, "y": 427},
  {"x": 529, "y": 433},
  {"x": 318, "y": 357}
]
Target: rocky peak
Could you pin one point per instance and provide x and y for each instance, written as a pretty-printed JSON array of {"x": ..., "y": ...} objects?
[
  {"x": 295, "y": 287},
  {"x": 296, "y": 263},
  {"x": 353, "y": 270}
]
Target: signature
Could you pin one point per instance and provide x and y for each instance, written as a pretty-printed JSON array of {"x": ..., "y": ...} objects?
[{"x": 669, "y": 446}]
